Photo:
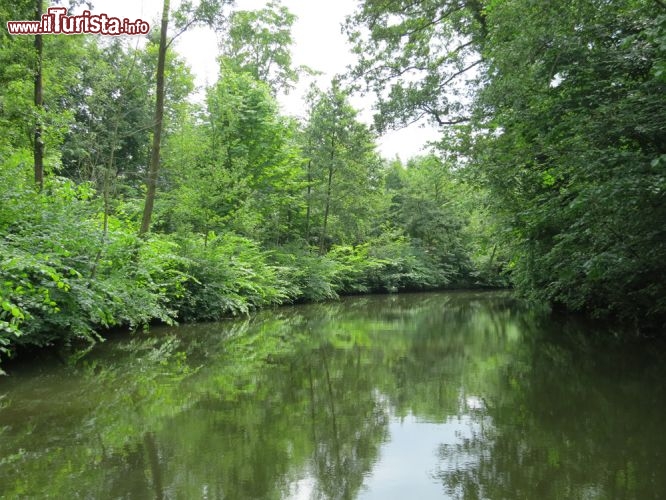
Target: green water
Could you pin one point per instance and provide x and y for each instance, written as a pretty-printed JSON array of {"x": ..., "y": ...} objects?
[{"x": 451, "y": 395}]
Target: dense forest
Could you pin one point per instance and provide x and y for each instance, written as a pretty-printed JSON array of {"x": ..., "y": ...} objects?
[{"x": 124, "y": 201}]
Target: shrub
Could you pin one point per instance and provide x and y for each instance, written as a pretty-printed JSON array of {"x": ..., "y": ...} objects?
[
  {"x": 228, "y": 275},
  {"x": 310, "y": 276}
]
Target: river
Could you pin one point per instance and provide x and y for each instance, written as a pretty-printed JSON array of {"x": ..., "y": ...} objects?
[{"x": 415, "y": 396}]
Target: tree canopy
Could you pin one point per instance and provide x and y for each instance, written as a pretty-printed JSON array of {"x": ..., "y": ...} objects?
[{"x": 558, "y": 109}]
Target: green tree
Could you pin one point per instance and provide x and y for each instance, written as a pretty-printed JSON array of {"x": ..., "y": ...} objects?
[
  {"x": 237, "y": 165},
  {"x": 34, "y": 79},
  {"x": 417, "y": 57},
  {"x": 109, "y": 137},
  {"x": 428, "y": 206},
  {"x": 564, "y": 128},
  {"x": 153, "y": 168},
  {"x": 343, "y": 170},
  {"x": 208, "y": 12},
  {"x": 259, "y": 43},
  {"x": 573, "y": 148}
]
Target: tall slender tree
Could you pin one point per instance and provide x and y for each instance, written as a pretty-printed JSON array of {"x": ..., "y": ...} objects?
[
  {"x": 39, "y": 103},
  {"x": 153, "y": 169},
  {"x": 342, "y": 165},
  {"x": 209, "y": 12}
]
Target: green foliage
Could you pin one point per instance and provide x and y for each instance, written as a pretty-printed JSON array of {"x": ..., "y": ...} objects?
[
  {"x": 416, "y": 57},
  {"x": 490, "y": 244},
  {"x": 112, "y": 108},
  {"x": 69, "y": 270},
  {"x": 571, "y": 149},
  {"x": 239, "y": 170},
  {"x": 63, "y": 277},
  {"x": 405, "y": 265},
  {"x": 259, "y": 42},
  {"x": 563, "y": 106},
  {"x": 432, "y": 205},
  {"x": 343, "y": 172},
  {"x": 60, "y": 71},
  {"x": 254, "y": 209},
  {"x": 228, "y": 275},
  {"x": 355, "y": 266},
  {"x": 311, "y": 276}
]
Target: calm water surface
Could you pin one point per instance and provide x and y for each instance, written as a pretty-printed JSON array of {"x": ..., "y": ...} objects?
[{"x": 448, "y": 395}]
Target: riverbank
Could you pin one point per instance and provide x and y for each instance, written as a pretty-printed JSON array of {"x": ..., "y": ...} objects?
[{"x": 73, "y": 293}]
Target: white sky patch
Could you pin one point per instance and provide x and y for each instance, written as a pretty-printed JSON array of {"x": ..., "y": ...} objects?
[
  {"x": 318, "y": 43},
  {"x": 556, "y": 80}
]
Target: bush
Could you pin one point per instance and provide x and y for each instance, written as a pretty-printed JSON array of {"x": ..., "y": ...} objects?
[
  {"x": 355, "y": 268},
  {"x": 228, "y": 275},
  {"x": 310, "y": 276},
  {"x": 63, "y": 277},
  {"x": 405, "y": 266}
]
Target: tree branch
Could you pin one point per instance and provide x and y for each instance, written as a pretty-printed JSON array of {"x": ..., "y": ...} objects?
[
  {"x": 183, "y": 30},
  {"x": 454, "y": 121},
  {"x": 441, "y": 122},
  {"x": 458, "y": 73},
  {"x": 432, "y": 22}
]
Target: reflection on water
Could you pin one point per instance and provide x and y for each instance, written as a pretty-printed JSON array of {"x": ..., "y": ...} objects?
[
  {"x": 458, "y": 395},
  {"x": 409, "y": 464}
]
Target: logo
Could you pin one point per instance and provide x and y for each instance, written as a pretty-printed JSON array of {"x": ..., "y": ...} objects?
[{"x": 57, "y": 22}]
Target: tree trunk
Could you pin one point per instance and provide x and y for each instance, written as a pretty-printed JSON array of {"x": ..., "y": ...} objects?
[
  {"x": 322, "y": 242},
  {"x": 331, "y": 167},
  {"x": 38, "y": 151},
  {"x": 309, "y": 201},
  {"x": 157, "y": 134}
]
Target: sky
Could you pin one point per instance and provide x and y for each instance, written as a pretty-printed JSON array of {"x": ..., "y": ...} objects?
[{"x": 318, "y": 43}]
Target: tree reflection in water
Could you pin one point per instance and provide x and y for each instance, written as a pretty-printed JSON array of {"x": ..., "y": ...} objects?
[{"x": 317, "y": 401}]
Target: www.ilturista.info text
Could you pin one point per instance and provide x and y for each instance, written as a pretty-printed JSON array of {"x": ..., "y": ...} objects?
[{"x": 55, "y": 22}]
